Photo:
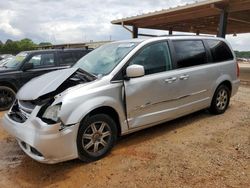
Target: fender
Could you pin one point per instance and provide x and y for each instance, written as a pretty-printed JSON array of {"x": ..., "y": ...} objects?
[
  {"x": 11, "y": 83},
  {"x": 219, "y": 80},
  {"x": 85, "y": 108}
]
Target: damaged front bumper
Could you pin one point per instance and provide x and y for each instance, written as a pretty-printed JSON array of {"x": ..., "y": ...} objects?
[{"x": 42, "y": 142}]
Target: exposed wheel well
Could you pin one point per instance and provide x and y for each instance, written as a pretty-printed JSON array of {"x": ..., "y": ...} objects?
[
  {"x": 228, "y": 84},
  {"x": 7, "y": 84},
  {"x": 108, "y": 111}
]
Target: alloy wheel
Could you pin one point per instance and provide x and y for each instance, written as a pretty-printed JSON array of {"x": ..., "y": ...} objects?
[
  {"x": 96, "y": 137},
  {"x": 222, "y": 99}
]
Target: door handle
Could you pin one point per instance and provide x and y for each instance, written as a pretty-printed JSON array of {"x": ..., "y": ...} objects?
[
  {"x": 171, "y": 80},
  {"x": 184, "y": 77}
]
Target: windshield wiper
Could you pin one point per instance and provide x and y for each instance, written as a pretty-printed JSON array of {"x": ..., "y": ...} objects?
[{"x": 93, "y": 76}]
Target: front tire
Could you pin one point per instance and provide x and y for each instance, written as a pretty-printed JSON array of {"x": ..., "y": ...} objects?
[
  {"x": 220, "y": 100},
  {"x": 96, "y": 137},
  {"x": 7, "y": 97}
]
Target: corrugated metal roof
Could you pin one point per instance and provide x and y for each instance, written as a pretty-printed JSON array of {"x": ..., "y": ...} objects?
[
  {"x": 201, "y": 16},
  {"x": 169, "y": 10}
]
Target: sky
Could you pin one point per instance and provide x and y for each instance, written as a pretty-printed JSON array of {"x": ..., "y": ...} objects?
[{"x": 73, "y": 21}]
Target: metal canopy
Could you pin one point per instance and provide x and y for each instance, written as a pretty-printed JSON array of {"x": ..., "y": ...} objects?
[{"x": 208, "y": 17}]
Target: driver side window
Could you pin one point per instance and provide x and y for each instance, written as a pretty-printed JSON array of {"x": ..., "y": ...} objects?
[
  {"x": 155, "y": 58},
  {"x": 42, "y": 60}
]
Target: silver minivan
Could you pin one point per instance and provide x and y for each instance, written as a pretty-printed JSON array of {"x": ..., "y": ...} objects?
[{"x": 119, "y": 88}]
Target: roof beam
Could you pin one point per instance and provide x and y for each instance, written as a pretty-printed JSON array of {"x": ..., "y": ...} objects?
[
  {"x": 196, "y": 22},
  {"x": 239, "y": 20},
  {"x": 126, "y": 28},
  {"x": 147, "y": 35}
]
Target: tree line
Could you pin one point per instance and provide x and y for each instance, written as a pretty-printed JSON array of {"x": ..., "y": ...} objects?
[
  {"x": 243, "y": 54},
  {"x": 14, "y": 47}
]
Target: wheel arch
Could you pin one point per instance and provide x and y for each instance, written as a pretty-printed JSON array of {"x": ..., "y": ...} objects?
[
  {"x": 214, "y": 109},
  {"x": 108, "y": 111},
  {"x": 8, "y": 84},
  {"x": 70, "y": 114},
  {"x": 225, "y": 82},
  {"x": 223, "y": 79},
  {"x": 228, "y": 84}
]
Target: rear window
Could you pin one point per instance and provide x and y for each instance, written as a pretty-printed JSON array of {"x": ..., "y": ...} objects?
[
  {"x": 190, "y": 53},
  {"x": 219, "y": 51}
]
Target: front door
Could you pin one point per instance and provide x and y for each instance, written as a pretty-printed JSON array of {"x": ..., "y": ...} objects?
[
  {"x": 42, "y": 63},
  {"x": 151, "y": 98}
]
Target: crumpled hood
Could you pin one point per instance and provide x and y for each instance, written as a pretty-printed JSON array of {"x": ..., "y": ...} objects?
[{"x": 44, "y": 84}]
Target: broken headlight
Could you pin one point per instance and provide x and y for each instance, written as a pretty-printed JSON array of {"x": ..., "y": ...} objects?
[{"x": 52, "y": 112}]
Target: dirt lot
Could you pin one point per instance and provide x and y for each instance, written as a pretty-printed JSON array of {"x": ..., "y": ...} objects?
[
  {"x": 245, "y": 72},
  {"x": 199, "y": 150}
]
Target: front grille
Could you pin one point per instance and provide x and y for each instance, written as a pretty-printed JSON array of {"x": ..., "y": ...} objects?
[{"x": 21, "y": 111}]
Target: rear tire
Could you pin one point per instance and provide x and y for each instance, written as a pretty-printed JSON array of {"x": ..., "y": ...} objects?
[
  {"x": 7, "y": 97},
  {"x": 96, "y": 137},
  {"x": 220, "y": 100}
]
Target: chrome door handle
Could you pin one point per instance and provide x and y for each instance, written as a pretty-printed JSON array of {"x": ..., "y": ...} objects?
[
  {"x": 184, "y": 77},
  {"x": 171, "y": 79}
]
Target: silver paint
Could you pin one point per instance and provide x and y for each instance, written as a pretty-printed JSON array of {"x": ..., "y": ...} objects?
[
  {"x": 44, "y": 84},
  {"x": 150, "y": 100}
]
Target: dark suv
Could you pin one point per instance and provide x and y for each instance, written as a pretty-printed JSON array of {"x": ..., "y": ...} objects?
[{"x": 29, "y": 64}]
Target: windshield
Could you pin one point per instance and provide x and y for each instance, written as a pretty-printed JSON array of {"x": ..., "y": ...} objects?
[
  {"x": 4, "y": 61},
  {"x": 104, "y": 59},
  {"x": 16, "y": 61}
]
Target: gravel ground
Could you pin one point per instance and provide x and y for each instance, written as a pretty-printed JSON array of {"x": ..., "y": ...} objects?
[
  {"x": 199, "y": 150},
  {"x": 245, "y": 72}
]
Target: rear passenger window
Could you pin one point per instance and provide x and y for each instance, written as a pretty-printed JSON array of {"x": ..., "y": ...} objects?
[
  {"x": 154, "y": 58},
  {"x": 220, "y": 51},
  {"x": 67, "y": 58},
  {"x": 78, "y": 54},
  {"x": 190, "y": 53}
]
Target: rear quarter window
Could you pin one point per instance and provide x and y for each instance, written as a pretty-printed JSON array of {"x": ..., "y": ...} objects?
[{"x": 220, "y": 51}]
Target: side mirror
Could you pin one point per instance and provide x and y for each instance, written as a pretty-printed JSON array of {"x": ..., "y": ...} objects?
[
  {"x": 134, "y": 71},
  {"x": 28, "y": 66}
]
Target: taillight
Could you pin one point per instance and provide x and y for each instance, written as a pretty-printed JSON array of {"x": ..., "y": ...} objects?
[{"x": 238, "y": 69}]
